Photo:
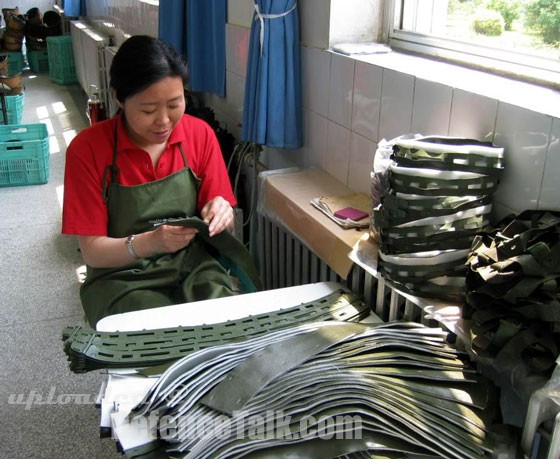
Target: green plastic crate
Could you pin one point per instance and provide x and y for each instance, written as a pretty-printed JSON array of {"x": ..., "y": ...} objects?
[
  {"x": 15, "y": 62},
  {"x": 63, "y": 74},
  {"x": 14, "y": 109},
  {"x": 24, "y": 154},
  {"x": 38, "y": 61},
  {"x": 61, "y": 59}
]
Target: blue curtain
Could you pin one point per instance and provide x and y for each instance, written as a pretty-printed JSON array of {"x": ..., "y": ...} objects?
[
  {"x": 197, "y": 29},
  {"x": 172, "y": 24},
  {"x": 206, "y": 45},
  {"x": 272, "y": 106},
  {"x": 74, "y": 7}
]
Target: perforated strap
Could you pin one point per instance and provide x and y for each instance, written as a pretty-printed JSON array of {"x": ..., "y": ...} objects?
[
  {"x": 449, "y": 160},
  {"x": 453, "y": 293},
  {"x": 403, "y": 245},
  {"x": 471, "y": 224},
  {"x": 90, "y": 350},
  {"x": 436, "y": 186},
  {"x": 397, "y": 209},
  {"x": 409, "y": 273}
]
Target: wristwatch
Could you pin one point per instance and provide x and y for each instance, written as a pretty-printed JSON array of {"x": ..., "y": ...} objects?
[{"x": 130, "y": 247}]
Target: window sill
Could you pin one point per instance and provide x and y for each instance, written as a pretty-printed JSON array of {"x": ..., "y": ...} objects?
[{"x": 531, "y": 96}]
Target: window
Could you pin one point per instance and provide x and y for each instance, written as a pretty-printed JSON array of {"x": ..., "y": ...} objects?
[{"x": 514, "y": 37}]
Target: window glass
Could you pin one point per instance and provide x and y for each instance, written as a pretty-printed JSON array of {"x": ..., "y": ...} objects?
[{"x": 523, "y": 32}]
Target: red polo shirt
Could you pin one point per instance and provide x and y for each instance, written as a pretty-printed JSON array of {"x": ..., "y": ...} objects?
[{"x": 84, "y": 211}]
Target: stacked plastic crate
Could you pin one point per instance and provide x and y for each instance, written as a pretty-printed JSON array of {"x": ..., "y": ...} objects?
[
  {"x": 12, "y": 108},
  {"x": 24, "y": 154},
  {"x": 38, "y": 61},
  {"x": 62, "y": 69},
  {"x": 11, "y": 89},
  {"x": 11, "y": 66},
  {"x": 434, "y": 194}
]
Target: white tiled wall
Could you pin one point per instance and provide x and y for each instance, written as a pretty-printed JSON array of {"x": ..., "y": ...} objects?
[
  {"x": 315, "y": 135},
  {"x": 472, "y": 116},
  {"x": 397, "y": 97},
  {"x": 525, "y": 136},
  {"x": 337, "y": 157},
  {"x": 431, "y": 107},
  {"x": 122, "y": 18},
  {"x": 315, "y": 69},
  {"x": 366, "y": 102},
  {"x": 340, "y": 89},
  {"x": 240, "y": 12},
  {"x": 315, "y": 14}
]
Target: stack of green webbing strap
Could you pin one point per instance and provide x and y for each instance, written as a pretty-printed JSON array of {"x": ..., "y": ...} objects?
[
  {"x": 438, "y": 196},
  {"x": 89, "y": 350},
  {"x": 513, "y": 289},
  {"x": 342, "y": 390}
]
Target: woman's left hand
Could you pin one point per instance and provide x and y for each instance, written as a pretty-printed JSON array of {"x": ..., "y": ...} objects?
[{"x": 218, "y": 214}]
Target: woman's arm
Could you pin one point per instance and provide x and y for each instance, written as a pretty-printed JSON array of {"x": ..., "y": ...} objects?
[{"x": 108, "y": 252}]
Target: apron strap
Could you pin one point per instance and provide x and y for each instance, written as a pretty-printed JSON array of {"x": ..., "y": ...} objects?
[
  {"x": 183, "y": 155},
  {"x": 112, "y": 168}
]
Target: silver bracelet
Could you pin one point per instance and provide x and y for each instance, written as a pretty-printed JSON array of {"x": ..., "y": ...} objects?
[{"x": 130, "y": 247}]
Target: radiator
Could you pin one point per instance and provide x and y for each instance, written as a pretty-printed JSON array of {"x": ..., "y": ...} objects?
[
  {"x": 88, "y": 45},
  {"x": 76, "y": 28},
  {"x": 109, "y": 54},
  {"x": 284, "y": 261}
]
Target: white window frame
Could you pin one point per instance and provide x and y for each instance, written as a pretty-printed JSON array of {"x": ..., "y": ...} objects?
[{"x": 533, "y": 69}]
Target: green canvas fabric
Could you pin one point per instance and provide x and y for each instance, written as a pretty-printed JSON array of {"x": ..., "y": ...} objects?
[{"x": 512, "y": 284}]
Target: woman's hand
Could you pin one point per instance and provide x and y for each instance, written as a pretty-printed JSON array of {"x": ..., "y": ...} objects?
[
  {"x": 170, "y": 238},
  {"x": 218, "y": 214},
  {"x": 107, "y": 252}
]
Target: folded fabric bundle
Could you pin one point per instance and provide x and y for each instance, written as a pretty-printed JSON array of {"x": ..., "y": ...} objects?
[
  {"x": 342, "y": 390},
  {"x": 513, "y": 287},
  {"x": 433, "y": 194}
]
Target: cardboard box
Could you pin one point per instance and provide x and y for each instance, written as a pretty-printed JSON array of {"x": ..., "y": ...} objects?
[{"x": 285, "y": 197}]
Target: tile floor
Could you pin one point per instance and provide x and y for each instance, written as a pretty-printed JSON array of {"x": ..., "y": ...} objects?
[{"x": 39, "y": 297}]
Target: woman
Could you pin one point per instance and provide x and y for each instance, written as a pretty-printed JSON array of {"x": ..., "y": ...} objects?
[{"x": 148, "y": 163}]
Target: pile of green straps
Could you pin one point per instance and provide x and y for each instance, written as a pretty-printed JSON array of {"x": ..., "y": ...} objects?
[
  {"x": 343, "y": 390},
  {"x": 513, "y": 289},
  {"x": 89, "y": 350},
  {"x": 437, "y": 196}
]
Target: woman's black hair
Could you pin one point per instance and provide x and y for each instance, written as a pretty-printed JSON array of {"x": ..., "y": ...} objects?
[{"x": 141, "y": 61}]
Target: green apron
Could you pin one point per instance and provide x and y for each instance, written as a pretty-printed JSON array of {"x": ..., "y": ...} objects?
[{"x": 190, "y": 274}]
